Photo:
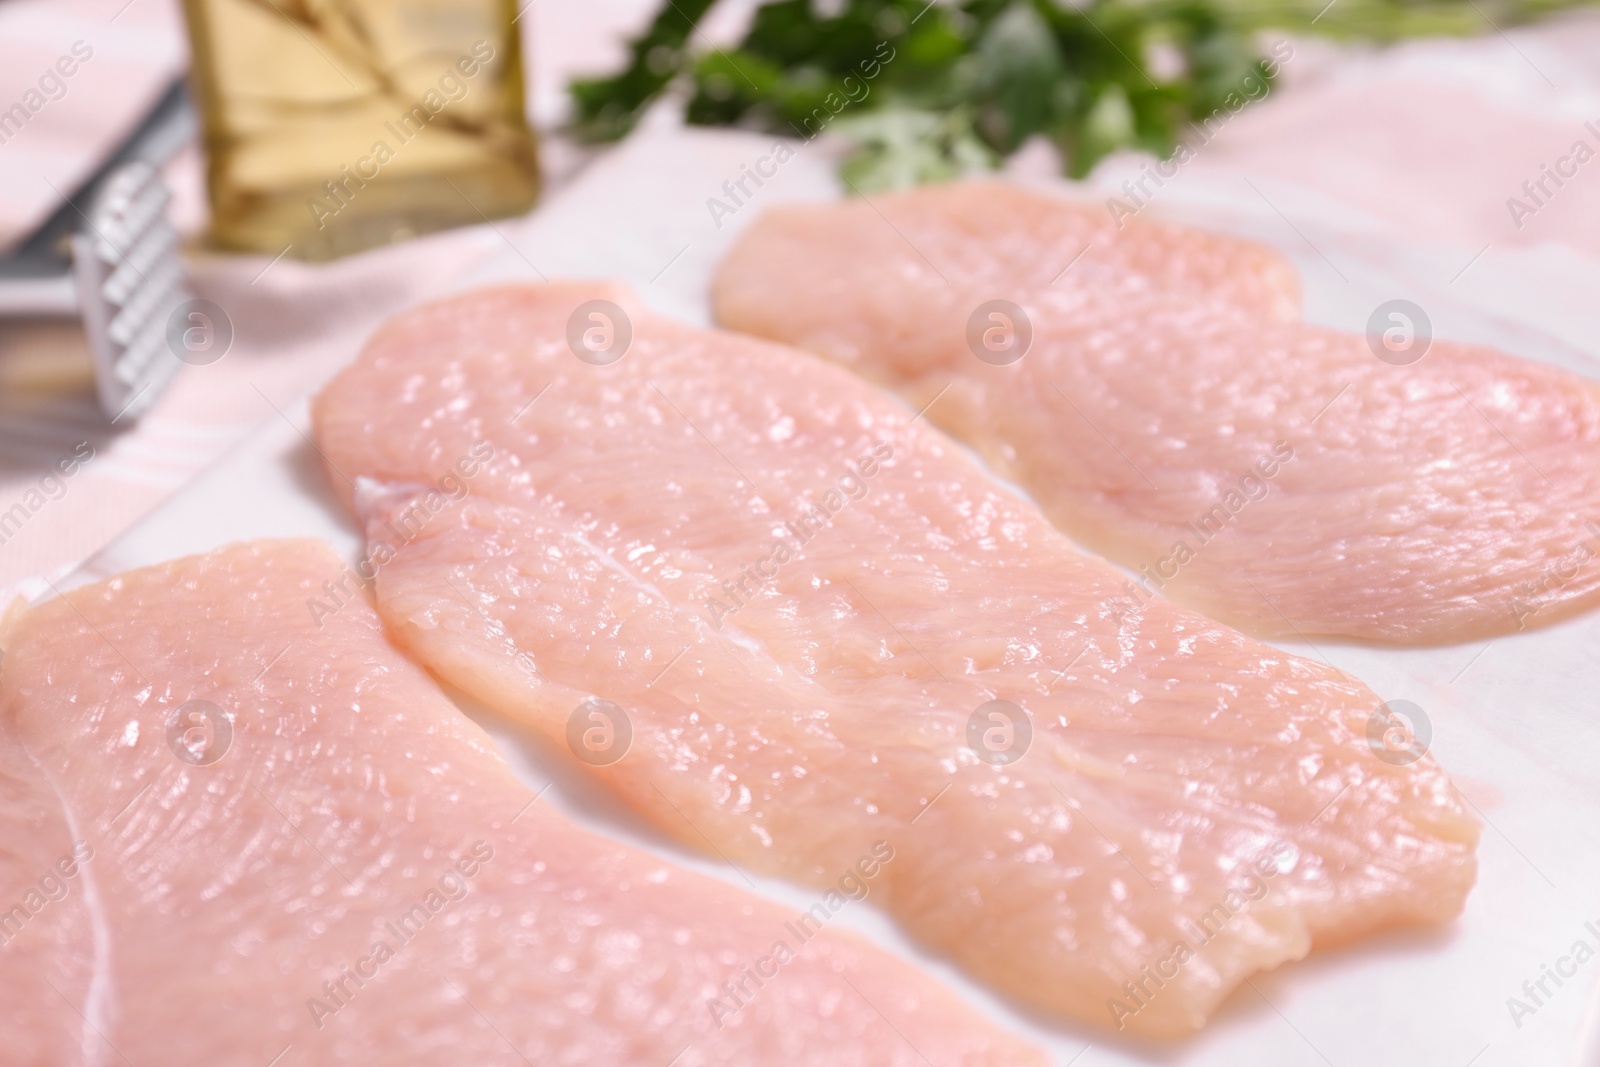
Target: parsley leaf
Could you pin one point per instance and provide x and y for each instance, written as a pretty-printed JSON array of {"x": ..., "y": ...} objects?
[{"x": 927, "y": 91}]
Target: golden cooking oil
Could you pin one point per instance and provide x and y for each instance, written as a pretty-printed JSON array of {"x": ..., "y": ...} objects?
[{"x": 333, "y": 126}]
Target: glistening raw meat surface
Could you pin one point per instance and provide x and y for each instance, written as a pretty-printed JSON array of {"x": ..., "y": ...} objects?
[
  {"x": 799, "y": 602},
  {"x": 1449, "y": 499},
  {"x": 228, "y": 908},
  {"x": 854, "y": 261}
]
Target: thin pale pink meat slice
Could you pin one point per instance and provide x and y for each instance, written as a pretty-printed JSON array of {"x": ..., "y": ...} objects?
[
  {"x": 334, "y": 866},
  {"x": 992, "y": 237},
  {"x": 1274, "y": 474},
  {"x": 798, "y": 600}
]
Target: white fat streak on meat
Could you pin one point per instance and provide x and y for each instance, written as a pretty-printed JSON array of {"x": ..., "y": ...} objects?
[{"x": 102, "y": 989}]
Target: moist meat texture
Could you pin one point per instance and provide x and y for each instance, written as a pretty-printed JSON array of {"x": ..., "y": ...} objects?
[
  {"x": 343, "y": 867},
  {"x": 800, "y": 602},
  {"x": 1169, "y": 412}
]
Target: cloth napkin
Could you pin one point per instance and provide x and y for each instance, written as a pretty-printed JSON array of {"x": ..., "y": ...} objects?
[{"x": 76, "y": 77}]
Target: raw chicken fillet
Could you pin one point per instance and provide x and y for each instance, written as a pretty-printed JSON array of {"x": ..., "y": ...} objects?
[
  {"x": 774, "y": 612},
  {"x": 326, "y": 863},
  {"x": 1165, "y": 410}
]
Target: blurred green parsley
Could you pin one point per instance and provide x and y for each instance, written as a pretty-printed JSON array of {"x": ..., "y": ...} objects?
[{"x": 926, "y": 91}]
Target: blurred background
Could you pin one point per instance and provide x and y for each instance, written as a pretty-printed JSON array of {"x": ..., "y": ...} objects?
[{"x": 206, "y": 206}]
